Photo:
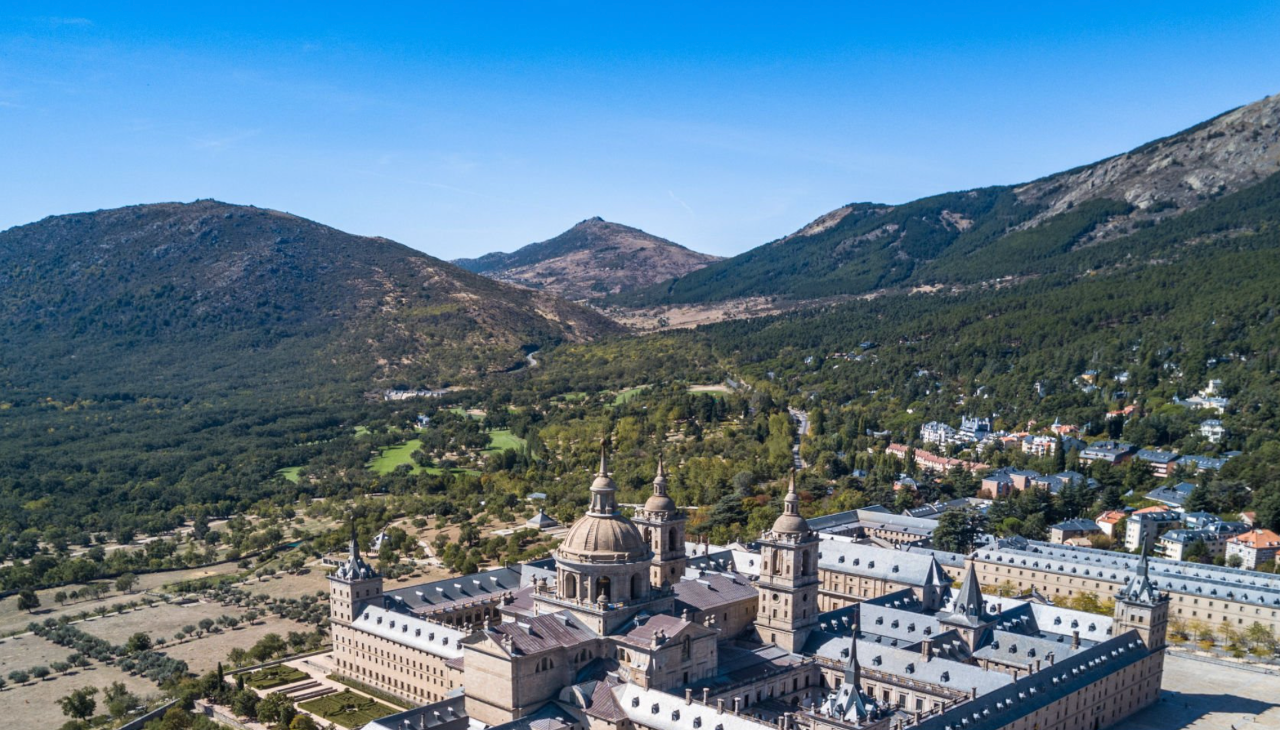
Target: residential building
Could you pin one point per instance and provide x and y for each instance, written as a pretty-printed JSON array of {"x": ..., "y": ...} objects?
[
  {"x": 1213, "y": 535},
  {"x": 1254, "y": 547},
  {"x": 1111, "y": 452},
  {"x": 1109, "y": 521},
  {"x": 1160, "y": 462},
  {"x": 1073, "y": 529},
  {"x": 1201, "y": 463},
  {"x": 1173, "y": 495},
  {"x": 1144, "y": 527},
  {"x": 1213, "y": 430},
  {"x": 936, "y": 432}
]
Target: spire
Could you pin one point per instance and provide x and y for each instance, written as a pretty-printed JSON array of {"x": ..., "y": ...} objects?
[
  {"x": 660, "y": 481},
  {"x": 967, "y": 607},
  {"x": 1139, "y": 588},
  {"x": 355, "y": 568},
  {"x": 791, "y": 502},
  {"x": 603, "y": 492},
  {"x": 354, "y": 553}
]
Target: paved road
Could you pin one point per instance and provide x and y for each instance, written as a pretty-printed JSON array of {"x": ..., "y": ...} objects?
[
  {"x": 801, "y": 418},
  {"x": 1199, "y": 695}
]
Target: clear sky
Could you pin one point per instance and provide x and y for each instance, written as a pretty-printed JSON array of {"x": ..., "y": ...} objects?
[{"x": 461, "y": 128}]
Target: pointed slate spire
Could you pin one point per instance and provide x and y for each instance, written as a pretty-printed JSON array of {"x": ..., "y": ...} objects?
[
  {"x": 968, "y": 605},
  {"x": 354, "y": 553},
  {"x": 660, "y": 480},
  {"x": 1139, "y": 588}
]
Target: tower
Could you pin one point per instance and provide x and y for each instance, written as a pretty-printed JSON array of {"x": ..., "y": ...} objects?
[
  {"x": 662, "y": 524},
  {"x": 352, "y": 585},
  {"x": 788, "y": 583},
  {"x": 1142, "y": 608},
  {"x": 968, "y": 615}
]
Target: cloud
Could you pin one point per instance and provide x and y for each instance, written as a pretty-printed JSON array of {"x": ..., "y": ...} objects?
[{"x": 682, "y": 204}]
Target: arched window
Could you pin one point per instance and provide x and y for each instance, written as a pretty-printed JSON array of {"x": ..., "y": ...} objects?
[
  {"x": 671, "y": 539},
  {"x": 604, "y": 590},
  {"x": 804, "y": 563},
  {"x": 635, "y": 587},
  {"x": 685, "y": 648},
  {"x": 570, "y": 585}
]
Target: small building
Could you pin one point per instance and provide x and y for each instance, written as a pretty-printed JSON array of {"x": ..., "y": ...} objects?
[
  {"x": 1160, "y": 462},
  {"x": 1201, "y": 463},
  {"x": 1071, "y": 529},
  {"x": 542, "y": 521},
  {"x": 1213, "y": 430},
  {"x": 1145, "y": 526},
  {"x": 1109, "y": 521},
  {"x": 1174, "y": 495},
  {"x": 1112, "y": 452},
  {"x": 1254, "y": 548}
]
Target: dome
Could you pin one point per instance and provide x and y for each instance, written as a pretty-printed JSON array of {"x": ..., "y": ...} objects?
[
  {"x": 596, "y": 539},
  {"x": 603, "y": 534},
  {"x": 790, "y": 521},
  {"x": 660, "y": 502}
]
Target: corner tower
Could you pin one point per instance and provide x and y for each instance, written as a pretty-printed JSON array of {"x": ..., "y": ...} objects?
[
  {"x": 788, "y": 583},
  {"x": 352, "y": 585},
  {"x": 1142, "y": 608},
  {"x": 662, "y": 524}
]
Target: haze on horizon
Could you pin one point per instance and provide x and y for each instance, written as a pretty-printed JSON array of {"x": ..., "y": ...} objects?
[{"x": 461, "y": 131}]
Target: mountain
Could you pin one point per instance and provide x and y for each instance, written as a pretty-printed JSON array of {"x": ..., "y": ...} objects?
[
  {"x": 1072, "y": 221},
  {"x": 198, "y": 345},
  {"x": 593, "y": 259}
]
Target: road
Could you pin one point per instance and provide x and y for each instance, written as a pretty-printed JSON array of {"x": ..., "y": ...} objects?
[{"x": 802, "y": 419}]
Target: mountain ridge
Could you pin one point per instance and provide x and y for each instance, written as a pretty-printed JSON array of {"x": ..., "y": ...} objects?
[
  {"x": 591, "y": 260},
  {"x": 979, "y": 236}
]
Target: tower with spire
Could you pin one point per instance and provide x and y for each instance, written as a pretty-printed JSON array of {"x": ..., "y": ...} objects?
[
  {"x": 663, "y": 526},
  {"x": 788, "y": 586},
  {"x": 968, "y": 614},
  {"x": 1142, "y": 608},
  {"x": 354, "y": 584}
]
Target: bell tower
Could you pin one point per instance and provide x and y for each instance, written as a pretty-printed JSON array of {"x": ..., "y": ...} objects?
[
  {"x": 1142, "y": 608},
  {"x": 788, "y": 583},
  {"x": 352, "y": 585},
  {"x": 662, "y": 524}
]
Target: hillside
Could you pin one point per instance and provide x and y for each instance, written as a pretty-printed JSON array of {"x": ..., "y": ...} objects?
[
  {"x": 1072, "y": 221},
  {"x": 593, "y": 259},
  {"x": 190, "y": 340}
]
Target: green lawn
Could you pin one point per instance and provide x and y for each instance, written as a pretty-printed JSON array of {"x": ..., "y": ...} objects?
[
  {"x": 463, "y": 412},
  {"x": 628, "y": 394},
  {"x": 361, "y": 431},
  {"x": 572, "y": 396},
  {"x": 348, "y": 709},
  {"x": 394, "y": 456},
  {"x": 290, "y": 473},
  {"x": 503, "y": 439}
]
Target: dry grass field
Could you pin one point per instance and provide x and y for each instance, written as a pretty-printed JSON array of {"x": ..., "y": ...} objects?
[
  {"x": 162, "y": 620},
  {"x": 204, "y": 653},
  {"x": 283, "y": 585},
  {"x": 35, "y": 705},
  {"x": 12, "y": 619},
  {"x": 25, "y": 652}
]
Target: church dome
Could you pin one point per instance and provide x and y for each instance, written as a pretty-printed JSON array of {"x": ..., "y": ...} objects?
[{"x": 604, "y": 535}]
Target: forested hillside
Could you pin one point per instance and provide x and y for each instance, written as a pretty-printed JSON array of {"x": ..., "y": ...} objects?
[
  {"x": 1075, "y": 221},
  {"x": 161, "y": 355}
]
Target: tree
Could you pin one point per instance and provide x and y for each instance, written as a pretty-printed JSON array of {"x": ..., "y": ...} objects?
[
  {"x": 1234, "y": 561},
  {"x": 28, "y": 601},
  {"x": 125, "y": 582},
  {"x": 303, "y": 722},
  {"x": 119, "y": 699},
  {"x": 18, "y": 676},
  {"x": 139, "y": 642},
  {"x": 276, "y": 707},
  {"x": 40, "y": 672},
  {"x": 245, "y": 704},
  {"x": 957, "y": 531},
  {"x": 60, "y": 597},
  {"x": 80, "y": 703}
]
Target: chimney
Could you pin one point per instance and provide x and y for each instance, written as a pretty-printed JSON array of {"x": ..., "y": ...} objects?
[
  {"x": 688, "y": 696},
  {"x": 1017, "y": 672},
  {"x": 1037, "y": 666},
  {"x": 737, "y": 705},
  {"x": 1075, "y": 639},
  {"x": 926, "y": 649},
  {"x": 973, "y": 693},
  {"x": 720, "y": 705},
  {"x": 706, "y": 695}
]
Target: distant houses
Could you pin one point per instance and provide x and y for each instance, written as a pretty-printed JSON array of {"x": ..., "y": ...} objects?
[{"x": 1254, "y": 548}]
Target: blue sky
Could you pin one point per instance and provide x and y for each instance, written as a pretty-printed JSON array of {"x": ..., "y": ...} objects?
[{"x": 464, "y": 128}]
